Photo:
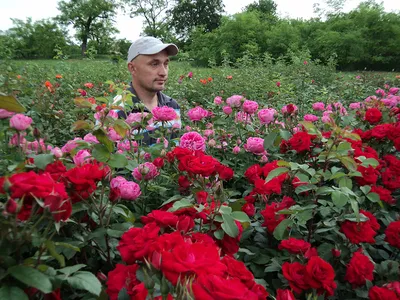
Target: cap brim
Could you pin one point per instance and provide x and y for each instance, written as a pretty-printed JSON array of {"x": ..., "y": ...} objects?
[{"x": 172, "y": 49}]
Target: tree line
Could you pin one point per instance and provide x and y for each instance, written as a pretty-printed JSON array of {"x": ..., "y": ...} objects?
[{"x": 366, "y": 37}]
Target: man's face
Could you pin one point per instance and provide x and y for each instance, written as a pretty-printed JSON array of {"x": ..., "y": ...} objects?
[{"x": 150, "y": 71}]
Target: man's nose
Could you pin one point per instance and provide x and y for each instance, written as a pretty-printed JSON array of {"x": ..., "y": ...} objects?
[{"x": 163, "y": 70}]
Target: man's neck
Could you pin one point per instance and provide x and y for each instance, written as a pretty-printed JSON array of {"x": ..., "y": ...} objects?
[{"x": 149, "y": 99}]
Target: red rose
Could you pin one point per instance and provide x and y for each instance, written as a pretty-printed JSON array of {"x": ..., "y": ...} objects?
[
  {"x": 56, "y": 170},
  {"x": 60, "y": 207},
  {"x": 391, "y": 179},
  {"x": 295, "y": 246},
  {"x": 54, "y": 295},
  {"x": 11, "y": 206},
  {"x": 397, "y": 144},
  {"x": 187, "y": 260},
  {"x": 211, "y": 287},
  {"x": 295, "y": 273},
  {"x": 384, "y": 194},
  {"x": 392, "y": 233},
  {"x": 165, "y": 242},
  {"x": 381, "y": 293},
  {"x": 336, "y": 252},
  {"x": 253, "y": 172},
  {"x": 381, "y": 131},
  {"x": 121, "y": 277},
  {"x": 185, "y": 223},
  {"x": 373, "y": 115},
  {"x": 274, "y": 186},
  {"x": 270, "y": 213},
  {"x": 135, "y": 243},
  {"x": 284, "y": 295},
  {"x": 237, "y": 269},
  {"x": 369, "y": 175},
  {"x": 249, "y": 209},
  {"x": 230, "y": 245},
  {"x": 359, "y": 270},
  {"x": 158, "y": 162},
  {"x": 163, "y": 219},
  {"x": 320, "y": 276},
  {"x": 300, "y": 141},
  {"x": 201, "y": 197},
  {"x": 204, "y": 165},
  {"x": 224, "y": 172},
  {"x": 361, "y": 232},
  {"x": 183, "y": 182}
]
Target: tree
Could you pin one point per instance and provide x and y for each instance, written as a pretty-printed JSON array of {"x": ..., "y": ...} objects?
[
  {"x": 188, "y": 14},
  {"x": 92, "y": 19},
  {"x": 154, "y": 13},
  {"x": 267, "y": 7},
  {"x": 35, "y": 40}
]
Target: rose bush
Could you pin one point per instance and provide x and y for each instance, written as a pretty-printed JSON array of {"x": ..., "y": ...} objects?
[{"x": 308, "y": 209}]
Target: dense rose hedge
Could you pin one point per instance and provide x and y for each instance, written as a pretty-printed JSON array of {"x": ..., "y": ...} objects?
[{"x": 249, "y": 201}]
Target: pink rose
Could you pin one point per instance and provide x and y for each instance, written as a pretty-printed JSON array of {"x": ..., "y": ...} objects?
[
  {"x": 20, "y": 122},
  {"x": 250, "y": 107},
  {"x": 318, "y": 106},
  {"x": 234, "y": 101},
  {"x": 56, "y": 152},
  {"x": 218, "y": 100},
  {"x": 129, "y": 190},
  {"x": 208, "y": 132},
  {"x": 380, "y": 92},
  {"x": 190, "y": 75},
  {"x": 192, "y": 140},
  {"x": 113, "y": 114},
  {"x": 4, "y": 114},
  {"x": 355, "y": 105},
  {"x": 90, "y": 138},
  {"x": 236, "y": 150},
  {"x": 80, "y": 158},
  {"x": 243, "y": 117},
  {"x": 255, "y": 145},
  {"x": 70, "y": 145},
  {"x": 227, "y": 110},
  {"x": 113, "y": 135},
  {"x": 266, "y": 115},
  {"x": 394, "y": 90},
  {"x": 188, "y": 128},
  {"x": 146, "y": 171},
  {"x": 289, "y": 109},
  {"x": 197, "y": 114},
  {"x": 310, "y": 118},
  {"x": 164, "y": 113},
  {"x": 116, "y": 182}
]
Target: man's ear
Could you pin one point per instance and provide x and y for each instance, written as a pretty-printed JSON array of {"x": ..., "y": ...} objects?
[{"x": 131, "y": 67}]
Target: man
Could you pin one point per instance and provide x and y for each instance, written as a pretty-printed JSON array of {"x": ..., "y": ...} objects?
[{"x": 148, "y": 60}]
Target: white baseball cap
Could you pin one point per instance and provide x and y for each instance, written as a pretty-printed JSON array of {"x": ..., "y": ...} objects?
[{"x": 150, "y": 45}]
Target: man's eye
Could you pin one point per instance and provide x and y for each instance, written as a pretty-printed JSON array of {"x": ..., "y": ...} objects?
[{"x": 154, "y": 64}]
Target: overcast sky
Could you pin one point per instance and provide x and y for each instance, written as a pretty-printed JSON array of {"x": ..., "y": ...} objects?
[{"x": 131, "y": 28}]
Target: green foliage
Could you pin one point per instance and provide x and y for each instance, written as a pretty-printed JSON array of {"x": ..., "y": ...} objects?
[{"x": 92, "y": 20}]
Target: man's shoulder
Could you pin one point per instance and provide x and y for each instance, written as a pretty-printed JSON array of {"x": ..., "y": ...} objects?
[{"x": 166, "y": 100}]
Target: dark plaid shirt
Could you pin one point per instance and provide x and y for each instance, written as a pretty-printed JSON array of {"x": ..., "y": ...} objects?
[{"x": 163, "y": 100}]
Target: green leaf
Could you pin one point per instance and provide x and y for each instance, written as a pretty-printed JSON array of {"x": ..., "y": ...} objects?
[
  {"x": 52, "y": 250},
  {"x": 42, "y": 160},
  {"x": 269, "y": 140},
  {"x": 229, "y": 226},
  {"x": 225, "y": 210},
  {"x": 102, "y": 138},
  {"x": 355, "y": 208},
  {"x": 370, "y": 162},
  {"x": 324, "y": 190},
  {"x": 305, "y": 188},
  {"x": 117, "y": 161},
  {"x": 285, "y": 134},
  {"x": 280, "y": 231},
  {"x": 101, "y": 153},
  {"x": 275, "y": 173},
  {"x": 72, "y": 269},
  {"x": 82, "y": 125},
  {"x": 365, "y": 189},
  {"x": 11, "y": 103},
  {"x": 310, "y": 127},
  {"x": 84, "y": 280},
  {"x": 346, "y": 182},
  {"x": 181, "y": 203},
  {"x": 348, "y": 162},
  {"x": 339, "y": 198},
  {"x": 12, "y": 293},
  {"x": 240, "y": 216},
  {"x": 219, "y": 234},
  {"x": 32, "y": 278},
  {"x": 373, "y": 197}
]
